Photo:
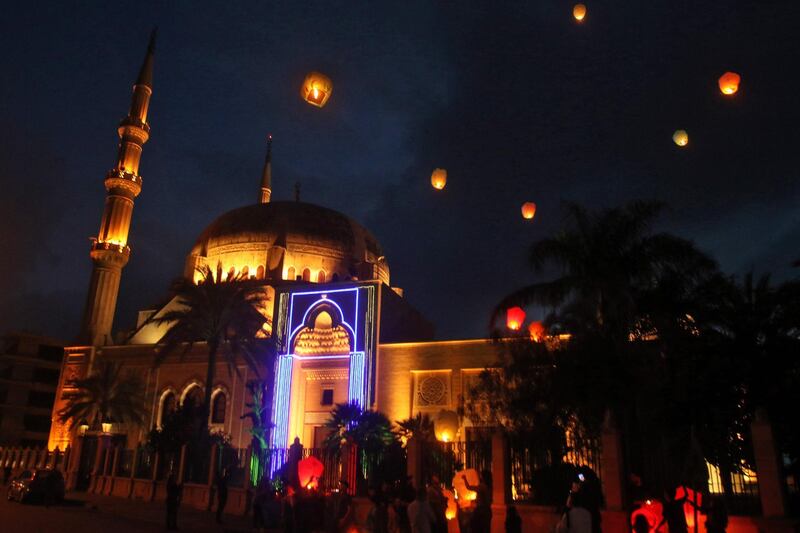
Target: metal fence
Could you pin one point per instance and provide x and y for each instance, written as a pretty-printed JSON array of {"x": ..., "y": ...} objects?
[
  {"x": 444, "y": 459},
  {"x": 544, "y": 476}
]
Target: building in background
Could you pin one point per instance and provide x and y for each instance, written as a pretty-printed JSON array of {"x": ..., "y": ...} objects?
[{"x": 29, "y": 370}]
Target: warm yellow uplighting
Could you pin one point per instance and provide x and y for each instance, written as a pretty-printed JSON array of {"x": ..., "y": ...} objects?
[
  {"x": 579, "y": 12},
  {"x": 439, "y": 178},
  {"x": 528, "y": 210},
  {"x": 680, "y": 137},
  {"x": 106, "y": 427},
  {"x": 729, "y": 83},
  {"x": 82, "y": 429},
  {"x": 316, "y": 89}
]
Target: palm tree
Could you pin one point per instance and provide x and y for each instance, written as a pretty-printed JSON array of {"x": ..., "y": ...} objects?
[
  {"x": 219, "y": 313},
  {"x": 606, "y": 261},
  {"x": 369, "y": 430},
  {"x": 106, "y": 395},
  {"x": 419, "y": 426}
]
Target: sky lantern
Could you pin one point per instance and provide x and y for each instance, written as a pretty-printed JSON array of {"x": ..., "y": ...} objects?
[
  {"x": 316, "y": 89},
  {"x": 536, "y": 331},
  {"x": 446, "y": 425},
  {"x": 729, "y": 83},
  {"x": 579, "y": 12},
  {"x": 515, "y": 317},
  {"x": 439, "y": 178},
  {"x": 528, "y": 210},
  {"x": 692, "y": 501},
  {"x": 309, "y": 471},
  {"x": 465, "y": 496},
  {"x": 652, "y": 510},
  {"x": 452, "y": 506},
  {"x": 680, "y": 137}
]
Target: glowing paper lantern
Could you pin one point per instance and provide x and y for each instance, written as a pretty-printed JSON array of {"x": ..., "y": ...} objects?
[
  {"x": 316, "y": 89},
  {"x": 452, "y": 506},
  {"x": 309, "y": 470},
  {"x": 528, "y": 210},
  {"x": 692, "y": 497},
  {"x": 537, "y": 331},
  {"x": 439, "y": 178},
  {"x": 680, "y": 137},
  {"x": 464, "y": 495},
  {"x": 446, "y": 425},
  {"x": 729, "y": 83},
  {"x": 515, "y": 317},
  {"x": 579, "y": 12},
  {"x": 652, "y": 510}
]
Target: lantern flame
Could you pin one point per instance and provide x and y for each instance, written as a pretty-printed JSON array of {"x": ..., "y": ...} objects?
[
  {"x": 729, "y": 83},
  {"x": 680, "y": 137},
  {"x": 439, "y": 178},
  {"x": 316, "y": 89},
  {"x": 528, "y": 210},
  {"x": 536, "y": 331},
  {"x": 514, "y": 318},
  {"x": 579, "y": 12}
]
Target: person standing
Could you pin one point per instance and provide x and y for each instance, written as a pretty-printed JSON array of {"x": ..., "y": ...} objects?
[
  {"x": 481, "y": 519},
  {"x": 438, "y": 503},
  {"x": 420, "y": 514},
  {"x": 222, "y": 493},
  {"x": 174, "y": 491}
]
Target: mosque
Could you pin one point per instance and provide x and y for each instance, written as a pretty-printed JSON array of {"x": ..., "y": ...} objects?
[{"x": 342, "y": 332}]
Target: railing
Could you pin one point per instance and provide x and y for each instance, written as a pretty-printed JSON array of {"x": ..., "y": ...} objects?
[
  {"x": 544, "y": 476},
  {"x": 444, "y": 459},
  {"x": 739, "y": 490}
]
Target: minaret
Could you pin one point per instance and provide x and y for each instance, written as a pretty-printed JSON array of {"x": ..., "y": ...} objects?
[
  {"x": 266, "y": 175},
  {"x": 110, "y": 250}
]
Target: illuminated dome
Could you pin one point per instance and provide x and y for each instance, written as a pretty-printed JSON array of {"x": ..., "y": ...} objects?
[{"x": 289, "y": 240}]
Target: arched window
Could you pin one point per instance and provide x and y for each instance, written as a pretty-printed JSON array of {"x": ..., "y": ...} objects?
[
  {"x": 335, "y": 276},
  {"x": 231, "y": 274},
  {"x": 194, "y": 394},
  {"x": 290, "y": 274},
  {"x": 260, "y": 272},
  {"x": 306, "y": 274},
  {"x": 321, "y": 277},
  {"x": 218, "y": 408},
  {"x": 245, "y": 273},
  {"x": 167, "y": 406}
]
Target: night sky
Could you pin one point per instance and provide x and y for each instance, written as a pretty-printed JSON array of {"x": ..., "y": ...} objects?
[{"x": 519, "y": 103}]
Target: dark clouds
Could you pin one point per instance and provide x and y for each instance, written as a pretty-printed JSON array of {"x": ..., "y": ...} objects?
[{"x": 517, "y": 102}]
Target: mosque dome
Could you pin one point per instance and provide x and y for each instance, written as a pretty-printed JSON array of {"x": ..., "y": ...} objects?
[{"x": 289, "y": 240}]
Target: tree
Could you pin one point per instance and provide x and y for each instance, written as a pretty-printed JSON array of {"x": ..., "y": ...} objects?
[
  {"x": 369, "y": 430},
  {"x": 420, "y": 426},
  {"x": 258, "y": 414},
  {"x": 622, "y": 292},
  {"x": 108, "y": 394},
  {"x": 607, "y": 261},
  {"x": 223, "y": 314}
]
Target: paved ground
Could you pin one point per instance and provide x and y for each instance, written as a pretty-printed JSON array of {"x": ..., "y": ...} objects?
[{"x": 82, "y": 512}]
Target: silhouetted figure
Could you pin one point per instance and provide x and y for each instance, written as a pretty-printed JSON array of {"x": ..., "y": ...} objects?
[
  {"x": 513, "y": 520},
  {"x": 674, "y": 515},
  {"x": 481, "y": 519},
  {"x": 174, "y": 491},
  {"x": 438, "y": 503},
  {"x": 577, "y": 518},
  {"x": 294, "y": 456},
  {"x": 338, "y": 510},
  {"x": 641, "y": 525},
  {"x": 222, "y": 493},
  {"x": 716, "y": 516},
  {"x": 420, "y": 514}
]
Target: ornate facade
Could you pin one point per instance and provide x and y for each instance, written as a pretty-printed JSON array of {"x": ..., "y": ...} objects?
[{"x": 342, "y": 332}]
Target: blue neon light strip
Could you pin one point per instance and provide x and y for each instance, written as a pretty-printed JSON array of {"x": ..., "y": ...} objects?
[
  {"x": 356, "y": 392},
  {"x": 280, "y": 408}
]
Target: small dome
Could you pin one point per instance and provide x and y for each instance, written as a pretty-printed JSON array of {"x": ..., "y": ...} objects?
[{"x": 312, "y": 237}]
